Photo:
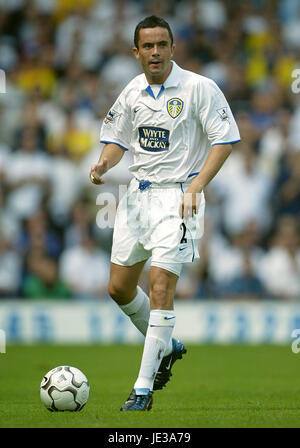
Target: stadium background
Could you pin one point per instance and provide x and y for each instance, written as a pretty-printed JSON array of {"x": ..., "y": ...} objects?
[{"x": 65, "y": 63}]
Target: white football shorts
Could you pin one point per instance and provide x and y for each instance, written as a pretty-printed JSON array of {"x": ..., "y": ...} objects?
[{"x": 148, "y": 224}]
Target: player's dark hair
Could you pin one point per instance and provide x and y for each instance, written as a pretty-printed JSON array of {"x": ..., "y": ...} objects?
[{"x": 151, "y": 22}]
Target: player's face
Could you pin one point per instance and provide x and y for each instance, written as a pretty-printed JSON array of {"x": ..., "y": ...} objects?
[{"x": 154, "y": 53}]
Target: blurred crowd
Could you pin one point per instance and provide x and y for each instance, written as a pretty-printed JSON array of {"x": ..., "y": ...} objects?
[{"x": 65, "y": 63}]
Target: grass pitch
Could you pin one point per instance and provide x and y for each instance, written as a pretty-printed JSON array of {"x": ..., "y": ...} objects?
[{"x": 212, "y": 387}]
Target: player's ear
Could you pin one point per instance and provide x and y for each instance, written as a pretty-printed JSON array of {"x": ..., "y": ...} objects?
[
  {"x": 136, "y": 52},
  {"x": 173, "y": 49}
]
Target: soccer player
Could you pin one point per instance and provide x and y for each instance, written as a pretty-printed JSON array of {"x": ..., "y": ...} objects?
[{"x": 180, "y": 129}]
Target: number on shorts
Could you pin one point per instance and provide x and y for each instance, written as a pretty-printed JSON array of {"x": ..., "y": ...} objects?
[{"x": 183, "y": 239}]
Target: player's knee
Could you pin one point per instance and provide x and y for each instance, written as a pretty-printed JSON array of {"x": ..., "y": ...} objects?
[
  {"x": 119, "y": 293},
  {"x": 115, "y": 291},
  {"x": 161, "y": 297}
]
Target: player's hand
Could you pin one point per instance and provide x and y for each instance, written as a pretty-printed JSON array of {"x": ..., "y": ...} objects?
[
  {"x": 189, "y": 205},
  {"x": 97, "y": 171}
]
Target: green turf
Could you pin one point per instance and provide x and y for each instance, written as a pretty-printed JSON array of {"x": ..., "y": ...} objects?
[{"x": 214, "y": 386}]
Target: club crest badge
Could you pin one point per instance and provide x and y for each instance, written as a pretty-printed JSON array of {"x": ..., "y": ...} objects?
[{"x": 174, "y": 107}]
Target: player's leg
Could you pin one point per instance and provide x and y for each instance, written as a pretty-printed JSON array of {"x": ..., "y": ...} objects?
[
  {"x": 161, "y": 324},
  {"x": 130, "y": 297},
  {"x": 124, "y": 290},
  {"x": 162, "y": 288},
  {"x": 175, "y": 349},
  {"x": 123, "y": 282},
  {"x": 158, "y": 337}
]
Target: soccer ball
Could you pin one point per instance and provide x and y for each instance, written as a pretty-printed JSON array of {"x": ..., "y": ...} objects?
[{"x": 64, "y": 388}]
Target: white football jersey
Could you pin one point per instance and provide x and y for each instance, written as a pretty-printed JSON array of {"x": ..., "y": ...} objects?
[{"x": 171, "y": 134}]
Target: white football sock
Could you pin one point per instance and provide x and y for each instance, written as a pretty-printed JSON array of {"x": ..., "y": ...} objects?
[
  {"x": 138, "y": 310},
  {"x": 158, "y": 337}
]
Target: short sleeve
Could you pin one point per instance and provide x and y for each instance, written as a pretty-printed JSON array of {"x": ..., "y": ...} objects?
[
  {"x": 117, "y": 125},
  {"x": 215, "y": 115}
]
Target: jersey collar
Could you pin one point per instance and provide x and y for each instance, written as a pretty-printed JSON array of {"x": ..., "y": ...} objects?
[{"x": 172, "y": 80}]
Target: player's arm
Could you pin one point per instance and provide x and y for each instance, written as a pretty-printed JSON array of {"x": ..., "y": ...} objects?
[
  {"x": 110, "y": 156},
  {"x": 191, "y": 199}
]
